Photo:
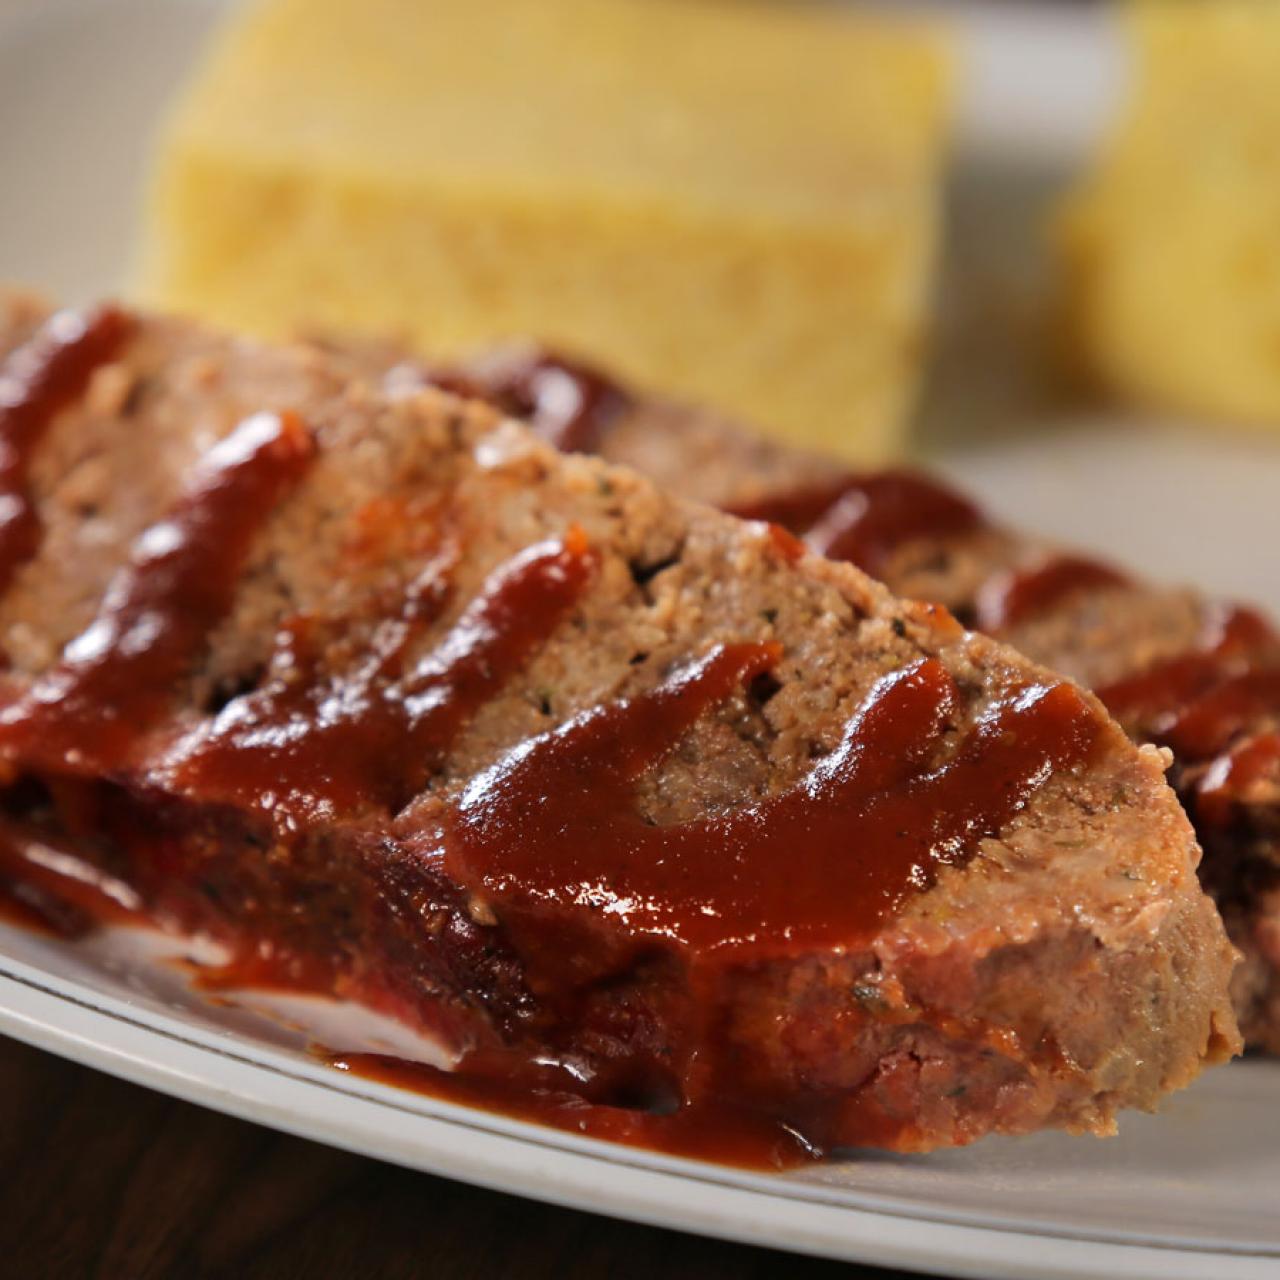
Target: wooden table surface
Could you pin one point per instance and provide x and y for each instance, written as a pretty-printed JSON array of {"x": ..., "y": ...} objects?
[{"x": 106, "y": 1179}]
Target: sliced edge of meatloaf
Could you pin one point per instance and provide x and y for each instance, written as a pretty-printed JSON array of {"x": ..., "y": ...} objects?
[{"x": 1045, "y": 966}]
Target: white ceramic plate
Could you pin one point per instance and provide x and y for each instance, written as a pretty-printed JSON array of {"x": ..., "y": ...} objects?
[{"x": 1191, "y": 1193}]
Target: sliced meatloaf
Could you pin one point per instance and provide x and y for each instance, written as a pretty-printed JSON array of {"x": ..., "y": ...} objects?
[
  {"x": 1176, "y": 667},
  {"x": 615, "y": 794}
]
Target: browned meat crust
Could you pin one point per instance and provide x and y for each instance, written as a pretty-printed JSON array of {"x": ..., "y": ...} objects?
[
  {"x": 1047, "y": 973},
  {"x": 1105, "y": 631}
]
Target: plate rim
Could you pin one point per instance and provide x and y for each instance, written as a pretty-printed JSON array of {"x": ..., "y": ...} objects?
[{"x": 265, "y": 1085}]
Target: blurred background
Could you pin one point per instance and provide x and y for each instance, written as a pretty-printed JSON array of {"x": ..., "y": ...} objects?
[
  {"x": 1035, "y": 380},
  {"x": 1032, "y": 244}
]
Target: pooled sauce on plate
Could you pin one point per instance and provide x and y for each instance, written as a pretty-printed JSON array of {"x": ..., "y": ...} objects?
[{"x": 710, "y": 1130}]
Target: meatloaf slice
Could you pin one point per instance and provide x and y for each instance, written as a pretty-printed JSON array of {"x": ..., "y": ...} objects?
[
  {"x": 614, "y": 794},
  {"x": 1176, "y": 667}
]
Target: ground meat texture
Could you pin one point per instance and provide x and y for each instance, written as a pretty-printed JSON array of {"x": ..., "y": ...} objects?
[
  {"x": 1044, "y": 971},
  {"x": 1101, "y": 627},
  {"x": 1104, "y": 635}
]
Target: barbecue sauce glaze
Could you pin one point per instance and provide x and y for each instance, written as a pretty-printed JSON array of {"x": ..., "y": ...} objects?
[
  {"x": 333, "y": 743},
  {"x": 570, "y": 404},
  {"x": 548, "y": 841},
  {"x": 116, "y": 679},
  {"x": 1218, "y": 708},
  {"x": 875, "y": 819},
  {"x": 41, "y": 378},
  {"x": 864, "y": 519},
  {"x": 1208, "y": 705},
  {"x": 1215, "y": 706}
]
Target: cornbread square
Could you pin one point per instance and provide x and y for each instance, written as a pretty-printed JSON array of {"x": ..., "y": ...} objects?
[
  {"x": 1172, "y": 247},
  {"x": 735, "y": 202}
]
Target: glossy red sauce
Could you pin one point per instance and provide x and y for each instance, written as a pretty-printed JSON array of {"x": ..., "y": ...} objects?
[
  {"x": 570, "y": 404},
  {"x": 788, "y": 547},
  {"x": 711, "y": 1130},
  {"x": 796, "y": 509},
  {"x": 1235, "y": 776},
  {"x": 1215, "y": 707},
  {"x": 313, "y": 744},
  {"x": 1231, "y": 636},
  {"x": 116, "y": 679},
  {"x": 37, "y": 381},
  {"x": 1010, "y": 598},
  {"x": 54, "y": 883},
  {"x": 15, "y": 908},
  {"x": 1207, "y": 724},
  {"x": 866, "y": 518},
  {"x": 553, "y": 834},
  {"x": 553, "y": 831},
  {"x": 41, "y": 888}
]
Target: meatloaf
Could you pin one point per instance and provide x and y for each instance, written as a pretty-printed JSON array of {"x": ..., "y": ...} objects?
[
  {"x": 1176, "y": 667},
  {"x": 614, "y": 794}
]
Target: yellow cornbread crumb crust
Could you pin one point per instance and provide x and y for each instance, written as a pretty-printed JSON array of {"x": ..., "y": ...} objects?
[
  {"x": 732, "y": 201},
  {"x": 1171, "y": 248}
]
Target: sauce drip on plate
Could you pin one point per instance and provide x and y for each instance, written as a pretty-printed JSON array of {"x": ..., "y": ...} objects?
[{"x": 722, "y": 1131}]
